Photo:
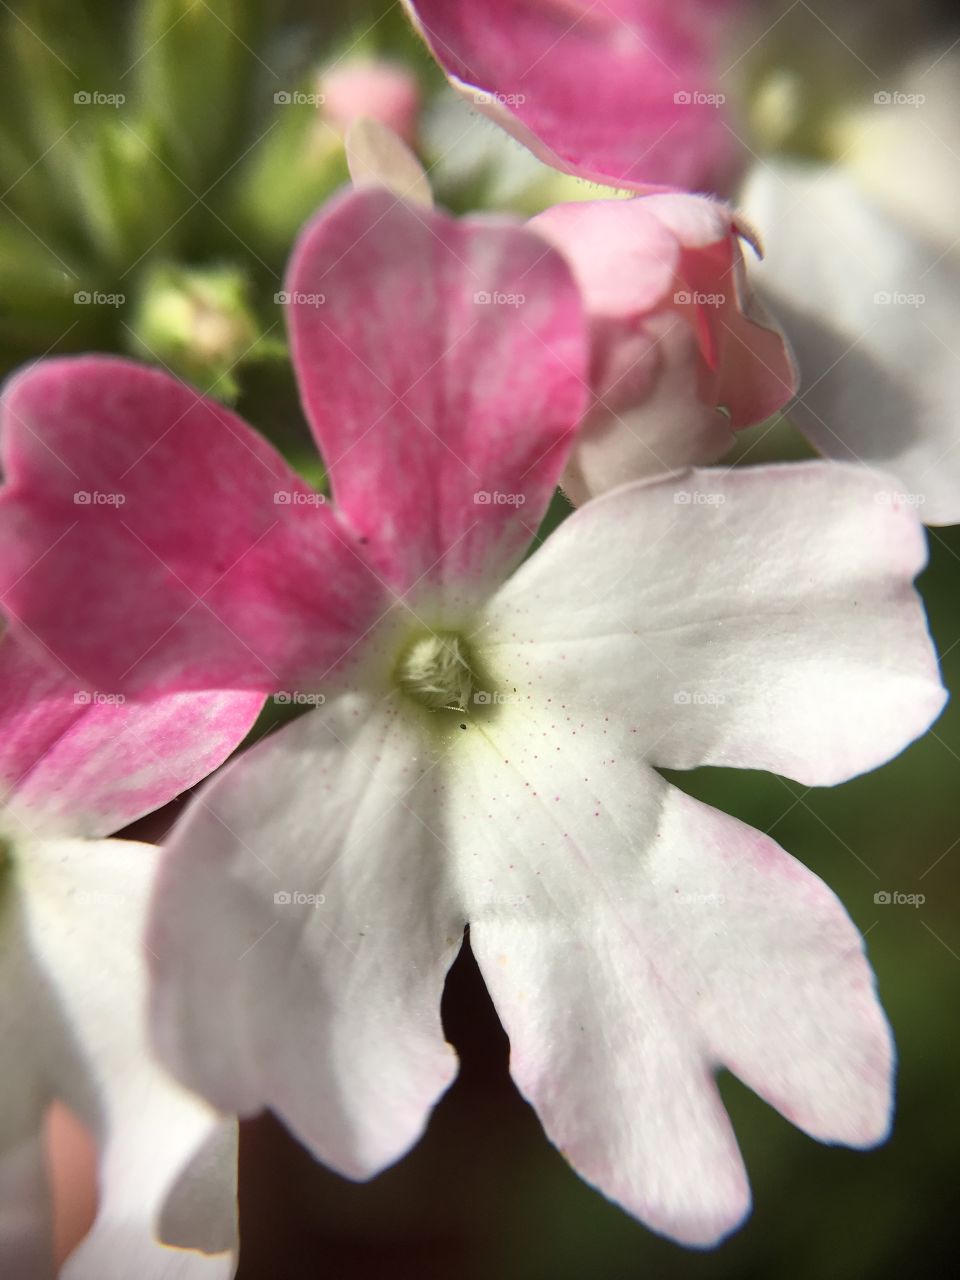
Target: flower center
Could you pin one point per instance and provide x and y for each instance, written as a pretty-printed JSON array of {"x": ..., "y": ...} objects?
[{"x": 438, "y": 671}]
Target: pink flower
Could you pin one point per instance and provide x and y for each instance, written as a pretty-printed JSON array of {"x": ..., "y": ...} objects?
[
  {"x": 486, "y": 746},
  {"x": 373, "y": 89},
  {"x": 682, "y": 355},
  {"x": 623, "y": 92},
  {"x": 74, "y": 766}
]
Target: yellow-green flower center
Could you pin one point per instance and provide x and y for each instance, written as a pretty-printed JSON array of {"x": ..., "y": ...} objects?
[{"x": 438, "y": 671}]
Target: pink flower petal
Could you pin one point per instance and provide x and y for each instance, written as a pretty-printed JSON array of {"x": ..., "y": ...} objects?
[
  {"x": 623, "y": 92},
  {"x": 151, "y": 540},
  {"x": 303, "y": 926},
  {"x": 750, "y": 369},
  {"x": 442, "y": 366},
  {"x": 364, "y": 88},
  {"x": 666, "y": 395},
  {"x": 76, "y": 761}
]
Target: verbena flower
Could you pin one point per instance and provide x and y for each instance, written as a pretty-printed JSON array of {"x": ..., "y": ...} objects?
[
  {"x": 484, "y": 745},
  {"x": 682, "y": 354}
]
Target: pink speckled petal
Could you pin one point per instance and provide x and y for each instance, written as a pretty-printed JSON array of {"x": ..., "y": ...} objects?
[
  {"x": 74, "y": 914},
  {"x": 762, "y": 618},
  {"x": 622, "y": 92},
  {"x": 303, "y": 926},
  {"x": 635, "y": 940},
  {"x": 443, "y": 372},
  {"x": 151, "y": 540},
  {"x": 76, "y": 761}
]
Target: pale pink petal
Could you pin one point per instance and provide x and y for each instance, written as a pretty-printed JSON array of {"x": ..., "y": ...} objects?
[
  {"x": 72, "y": 933},
  {"x": 651, "y": 419},
  {"x": 665, "y": 399},
  {"x": 634, "y": 941},
  {"x": 652, "y": 412},
  {"x": 762, "y": 618},
  {"x": 364, "y": 88},
  {"x": 150, "y": 539},
  {"x": 76, "y": 761},
  {"x": 871, "y": 306},
  {"x": 303, "y": 925},
  {"x": 625, "y": 258},
  {"x": 623, "y": 92},
  {"x": 749, "y": 369},
  {"x": 442, "y": 365},
  {"x": 756, "y": 375}
]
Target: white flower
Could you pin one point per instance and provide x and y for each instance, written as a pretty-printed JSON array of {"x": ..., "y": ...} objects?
[
  {"x": 487, "y": 747},
  {"x": 74, "y": 765}
]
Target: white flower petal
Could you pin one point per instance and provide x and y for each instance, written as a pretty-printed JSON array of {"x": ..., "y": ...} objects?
[
  {"x": 761, "y": 617},
  {"x": 633, "y": 941},
  {"x": 872, "y": 310},
  {"x": 327, "y": 1011},
  {"x": 76, "y": 919}
]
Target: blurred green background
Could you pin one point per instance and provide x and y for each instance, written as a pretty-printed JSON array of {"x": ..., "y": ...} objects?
[{"x": 178, "y": 206}]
